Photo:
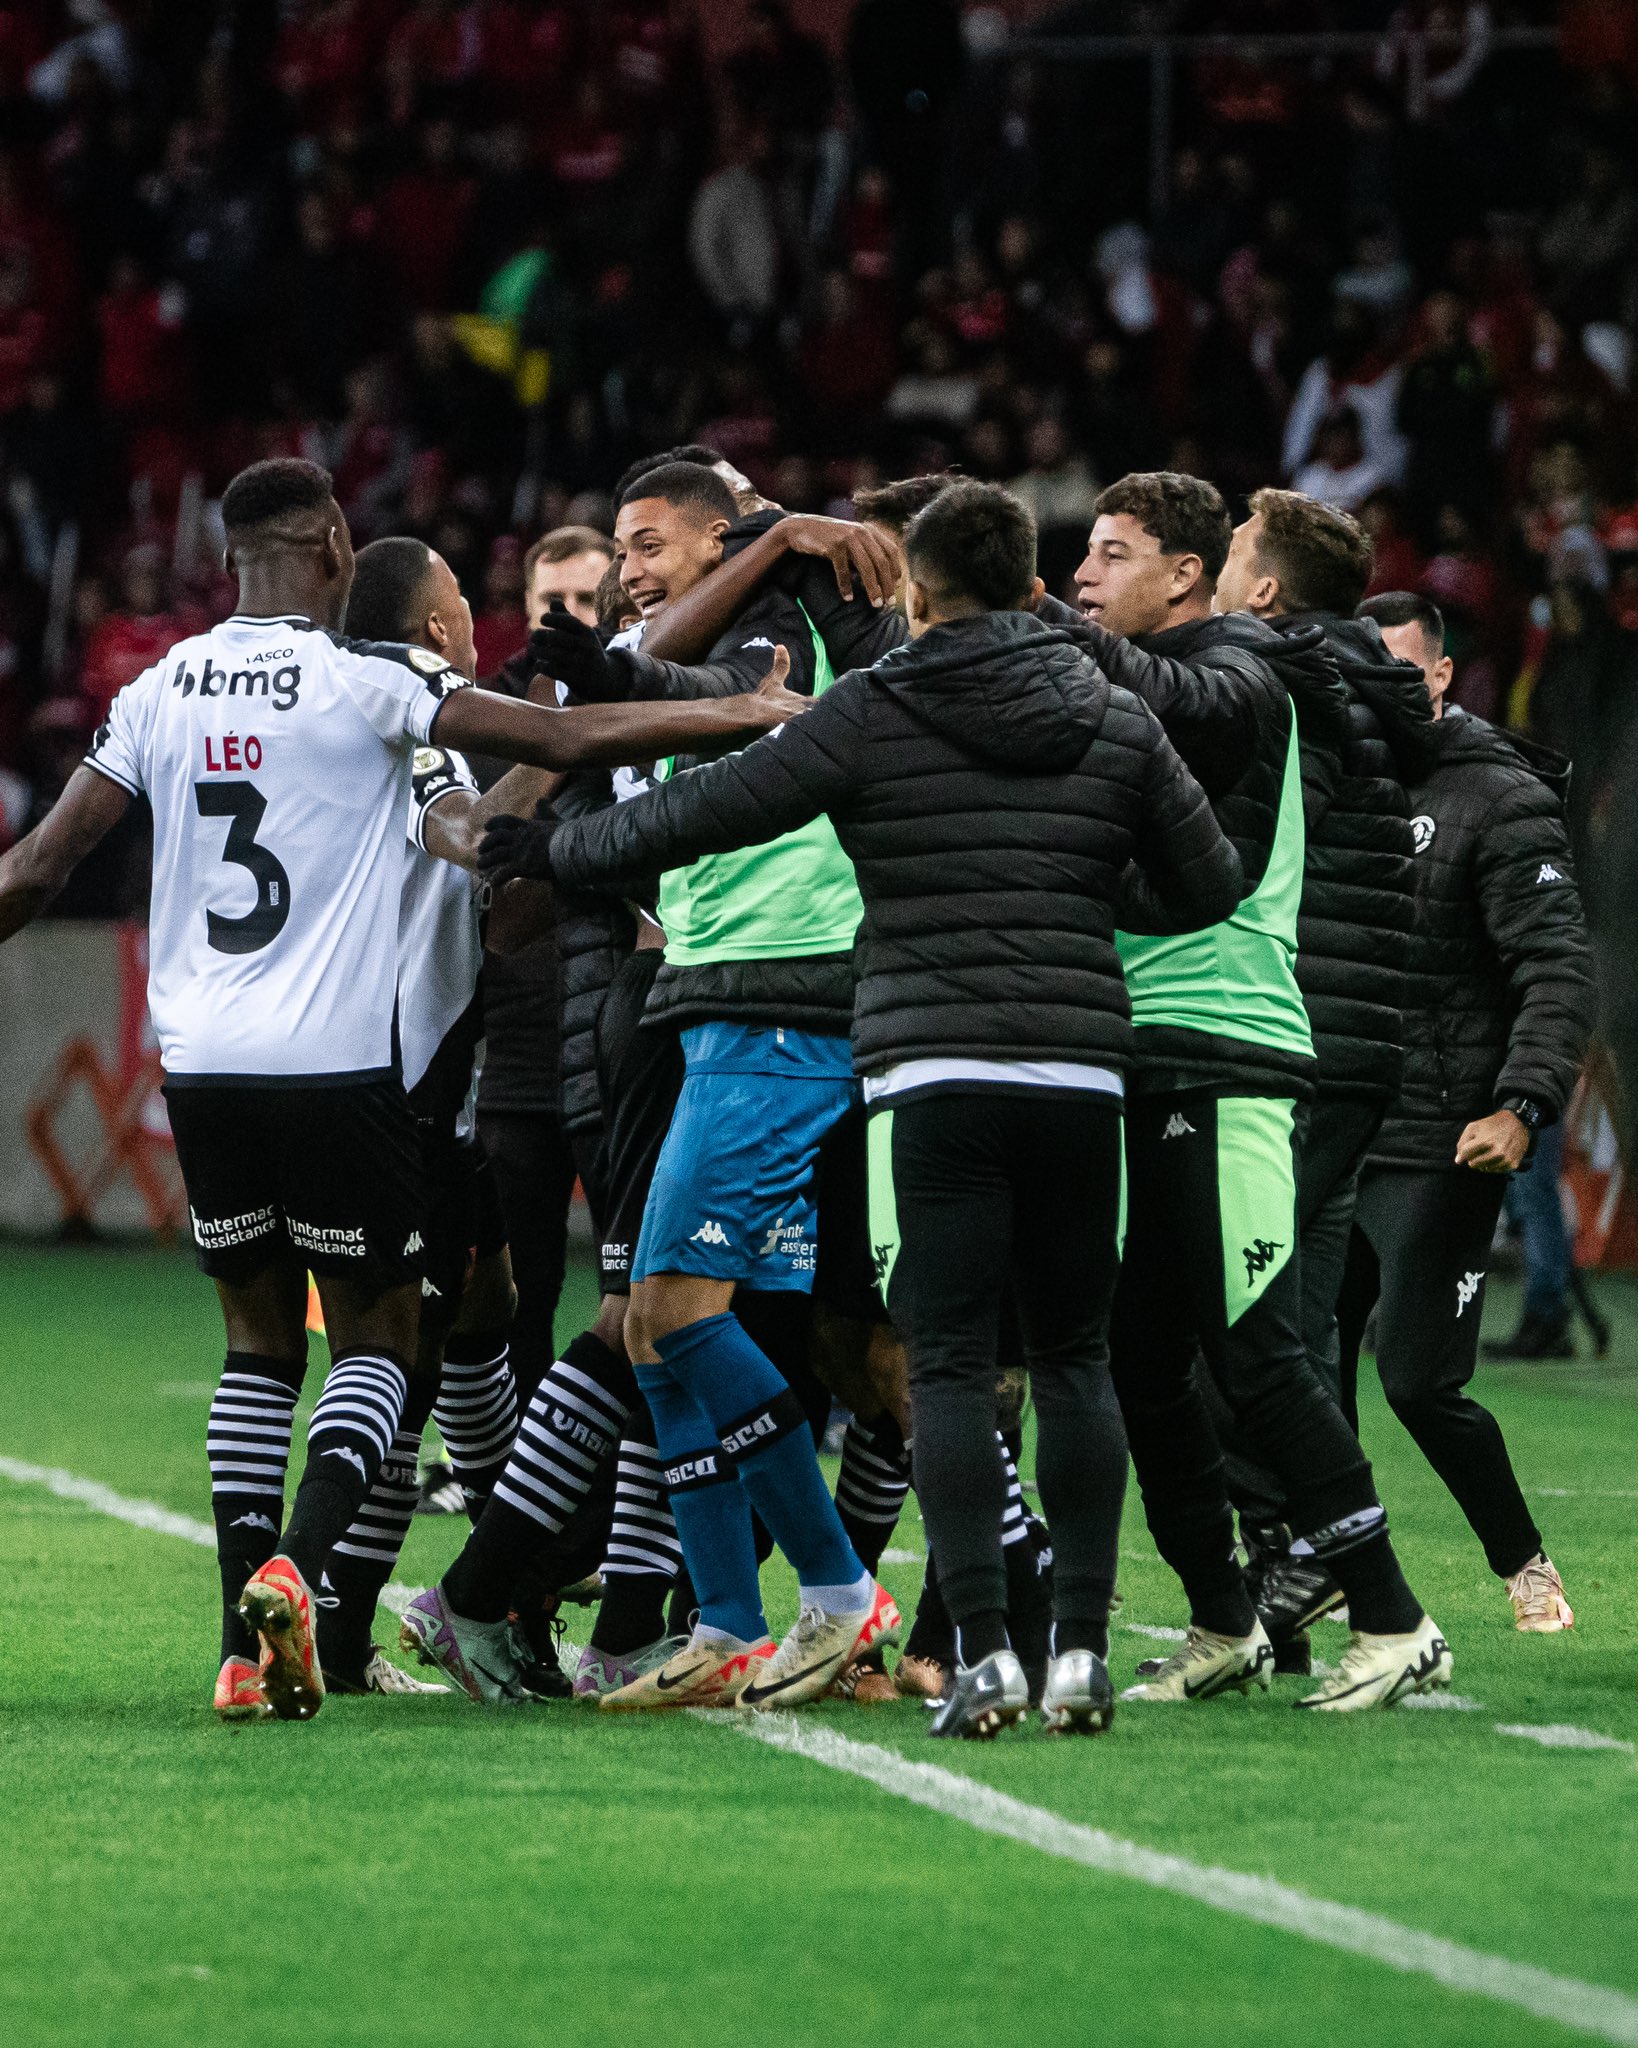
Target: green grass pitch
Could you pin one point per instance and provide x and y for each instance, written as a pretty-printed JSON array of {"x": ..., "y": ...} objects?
[{"x": 415, "y": 1872}]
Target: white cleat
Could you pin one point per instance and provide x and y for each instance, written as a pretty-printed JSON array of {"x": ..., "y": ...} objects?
[
  {"x": 1206, "y": 1664},
  {"x": 1537, "y": 1594},
  {"x": 1379, "y": 1671},
  {"x": 381, "y": 1675},
  {"x": 818, "y": 1649}
]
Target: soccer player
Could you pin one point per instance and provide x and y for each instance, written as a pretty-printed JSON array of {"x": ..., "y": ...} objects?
[
  {"x": 1499, "y": 1008},
  {"x": 278, "y": 758},
  {"x": 1223, "y": 1055},
  {"x": 991, "y": 791},
  {"x": 758, "y": 976},
  {"x": 1298, "y": 563}
]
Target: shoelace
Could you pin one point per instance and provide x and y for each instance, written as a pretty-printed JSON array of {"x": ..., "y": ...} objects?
[{"x": 1535, "y": 1587}]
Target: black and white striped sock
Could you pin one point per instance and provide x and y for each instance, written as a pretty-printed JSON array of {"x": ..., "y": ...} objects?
[
  {"x": 477, "y": 1412},
  {"x": 871, "y": 1485},
  {"x": 570, "y": 1434},
  {"x": 565, "y": 1445},
  {"x": 644, "y": 1553},
  {"x": 247, "y": 1441},
  {"x": 365, "y": 1559},
  {"x": 352, "y": 1430}
]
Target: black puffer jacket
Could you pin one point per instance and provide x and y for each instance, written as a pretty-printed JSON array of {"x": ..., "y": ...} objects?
[
  {"x": 1225, "y": 688},
  {"x": 1354, "y": 931},
  {"x": 594, "y": 935},
  {"x": 1501, "y": 994},
  {"x": 855, "y": 632},
  {"x": 520, "y": 990},
  {"x": 991, "y": 789}
]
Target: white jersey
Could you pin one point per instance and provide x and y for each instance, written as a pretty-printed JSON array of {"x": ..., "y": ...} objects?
[
  {"x": 439, "y": 950},
  {"x": 277, "y": 761}
]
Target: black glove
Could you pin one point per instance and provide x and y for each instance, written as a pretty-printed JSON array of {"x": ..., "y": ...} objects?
[
  {"x": 571, "y": 653},
  {"x": 518, "y": 849}
]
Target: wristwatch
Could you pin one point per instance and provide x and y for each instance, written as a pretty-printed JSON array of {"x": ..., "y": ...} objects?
[{"x": 1529, "y": 1113}]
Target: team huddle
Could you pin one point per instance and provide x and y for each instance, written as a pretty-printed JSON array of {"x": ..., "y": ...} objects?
[{"x": 965, "y": 995}]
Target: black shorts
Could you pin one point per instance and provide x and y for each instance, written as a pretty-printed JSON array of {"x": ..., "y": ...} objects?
[
  {"x": 464, "y": 1219},
  {"x": 639, "y": 1077},
  {"x": 331, "y": 1176}
]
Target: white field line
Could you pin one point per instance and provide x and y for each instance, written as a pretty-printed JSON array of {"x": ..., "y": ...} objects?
[
  {"x": 1559, "y": 1735},
  {"x": 891, "y": 1556},
  {"x": 162, "y": 1521},
  {"x": 145, "y": 1514},
  {"x": 1593, "y": 2009},
  {"x": 1588, "y": 1492}
]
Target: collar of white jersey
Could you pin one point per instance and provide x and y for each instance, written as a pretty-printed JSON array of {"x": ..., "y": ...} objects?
[{"x": 277, "y": 619}]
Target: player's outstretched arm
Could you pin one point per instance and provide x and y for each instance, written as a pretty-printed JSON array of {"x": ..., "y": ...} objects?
[
  {"x": 36, "y": 868},
  {"x": 608, "y": 735},
  {"x": 691, "y": 625}
]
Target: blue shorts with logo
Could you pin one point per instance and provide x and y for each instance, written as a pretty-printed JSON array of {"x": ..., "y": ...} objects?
[{"x": 732, "y": 1197}]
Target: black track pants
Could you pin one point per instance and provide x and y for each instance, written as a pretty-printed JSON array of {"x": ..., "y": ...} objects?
[
  {"x": 1421, "y": 1244},
  {"x": 969, "y": 1192},
  {"x": 534, "y": 1167},
  {"x": 1210, "y": 1231},
  {"x": 1334, "y": 1134}
]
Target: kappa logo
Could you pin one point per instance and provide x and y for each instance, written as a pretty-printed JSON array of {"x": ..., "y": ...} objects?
[
  {"x": 413, "y": 1243},
  {"x": 1257, "y": 1255},
  {"x": 352, "y": 1458},
  {"x": 326, "y": 1596},
  {"x": 1548, "y": 874},
  {"x": 709, "y": 1233},
  {"x": 1422, "y": 831},
  {"x": 431, "y": 1293},
  {"x": 255, "y": 1522},
  {"x": 882, "y": 1257},
  {"x": 1466, "y": 1288},
  {"x": 1178, "y": 1126}
]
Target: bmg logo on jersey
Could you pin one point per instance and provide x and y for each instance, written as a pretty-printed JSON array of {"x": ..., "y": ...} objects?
[{"x": 282, "y": 685}]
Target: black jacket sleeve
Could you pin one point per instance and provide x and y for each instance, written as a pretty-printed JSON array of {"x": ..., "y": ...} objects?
[
  {"x": 1185, "y": 874},
  {"x": 1209, "y": 704},
  {"x": 1532, "y": 911},
  {"x": 780, "y": 782},
  {"x": 738, "y": 663}
]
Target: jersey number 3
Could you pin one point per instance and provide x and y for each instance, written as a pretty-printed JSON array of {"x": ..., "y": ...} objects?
[{"x": 244, "y": 803}]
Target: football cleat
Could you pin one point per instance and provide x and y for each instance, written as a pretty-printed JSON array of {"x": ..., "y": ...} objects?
[
  {"x": 865, "y": 1681},
  {"x": 1293, "y": 1593},
  {"x": 1377, "y": 1671},
  {"x": 1078, "y": 1698},
  {"x": 479, "y": 1657},
  {"x": 440, "y": 1492},
  {"x": 1537, "y": 1594},
  {"x": 278, "y": 1606},
  {"x": 992, "y": 1695},
  {"x": 818, "y": 1648},
  {"x": 708, "y": 1671},
  {"x": 921, "y": 1678},
  {"x": 1205, "y": 1664},
  {"x": 605, "y": 1671},
  {"x": 239, "y": 1695},
  {"x": 383, "y": 1676}
]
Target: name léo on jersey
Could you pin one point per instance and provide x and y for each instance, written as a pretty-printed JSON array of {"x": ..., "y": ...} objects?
[{"x": 277, "y": 759}]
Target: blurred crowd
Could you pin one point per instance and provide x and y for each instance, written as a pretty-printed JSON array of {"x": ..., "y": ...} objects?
[{"x": 474, "y": 254}]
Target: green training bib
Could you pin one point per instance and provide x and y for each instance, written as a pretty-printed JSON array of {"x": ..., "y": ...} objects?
[
  {"x": 1237, "y": 979},
  {"x": 789, "y": 900}
]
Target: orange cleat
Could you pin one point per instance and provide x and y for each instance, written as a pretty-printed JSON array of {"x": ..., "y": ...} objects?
[
  {"x": 278, "y": 1606},
  {"x": 239, "y": 1695}
]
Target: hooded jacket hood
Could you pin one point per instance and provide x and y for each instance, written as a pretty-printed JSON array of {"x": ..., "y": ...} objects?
[
  {"x": 1005, "y": 687},
  {"x": 1296, "y": 654},
  {"x": 1462, "y": 737},
  {"x": 1395, "y": 690}
]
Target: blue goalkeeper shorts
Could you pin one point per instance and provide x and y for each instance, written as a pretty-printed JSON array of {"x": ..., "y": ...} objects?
[{"x": 732, "y": 1197}]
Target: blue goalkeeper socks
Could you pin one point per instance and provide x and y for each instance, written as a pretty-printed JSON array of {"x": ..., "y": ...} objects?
[
  {"x": 760, "y": 1425},
  {"x": 710, "y": 1508}
]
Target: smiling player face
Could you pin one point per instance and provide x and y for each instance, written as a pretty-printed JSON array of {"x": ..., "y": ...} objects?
[{"x": 663, "y": 550}]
